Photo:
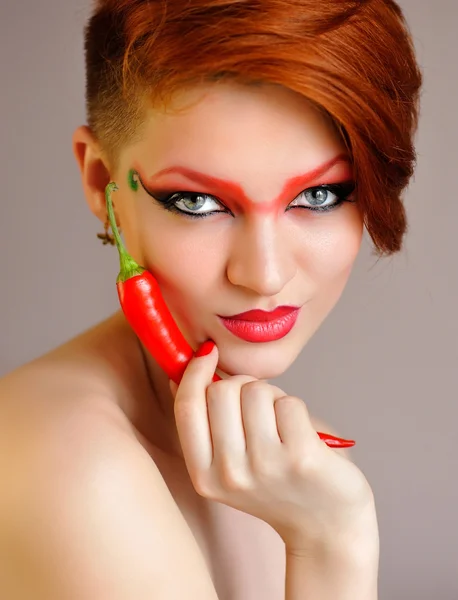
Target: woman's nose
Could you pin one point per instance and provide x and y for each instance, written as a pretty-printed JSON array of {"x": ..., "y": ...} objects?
[{"x": 261, "y": 258}]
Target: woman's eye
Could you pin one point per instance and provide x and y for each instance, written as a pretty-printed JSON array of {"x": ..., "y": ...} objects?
[
  {"x": 321, "y": 198},
  {"x": 193, "y": 202},
  {"x": 198, "y": 205}
]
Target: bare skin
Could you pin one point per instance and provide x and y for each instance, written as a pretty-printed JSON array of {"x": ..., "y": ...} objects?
[
  {"x": 245, "y": 557},
  {"x": 218, "y": 265}
]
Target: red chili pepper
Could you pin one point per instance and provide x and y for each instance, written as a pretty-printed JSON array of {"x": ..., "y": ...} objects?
[{"x": 147, "y": 313}]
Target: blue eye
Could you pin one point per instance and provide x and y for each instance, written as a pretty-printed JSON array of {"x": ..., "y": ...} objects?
[
  {"x": 191, "y": 203},
  {"x": 320, "y": 198}
]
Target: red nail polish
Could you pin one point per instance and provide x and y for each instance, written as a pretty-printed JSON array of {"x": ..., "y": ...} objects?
[{"x": 205, "y": 349}]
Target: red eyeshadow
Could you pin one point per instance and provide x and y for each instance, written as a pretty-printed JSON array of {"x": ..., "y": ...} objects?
[{"x": 233, "y": 192}]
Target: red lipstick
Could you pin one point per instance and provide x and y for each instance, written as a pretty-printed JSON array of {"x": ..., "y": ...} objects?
[
  {"x": 262, "y": 315},
  {"x": 261, "y": 326}
]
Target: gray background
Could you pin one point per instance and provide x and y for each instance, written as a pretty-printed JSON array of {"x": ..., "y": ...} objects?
[{"x": 382, "y": 368}]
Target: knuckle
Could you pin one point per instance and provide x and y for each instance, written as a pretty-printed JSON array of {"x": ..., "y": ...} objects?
[
  {"x": 291, "y": 403},
  {"x": 278, "y": 392},
  {"x": 303, "y": 464},
  {"x": 232, "y": 382},
  {"x": 254, "y": 386},
  {"x": 202, "y": 487},
  {"x": 216, "y": 386},
  {"x": 304, "y": 407},
  {"x": 216, "y": 391},
  {"x": 231, "y": 477}
]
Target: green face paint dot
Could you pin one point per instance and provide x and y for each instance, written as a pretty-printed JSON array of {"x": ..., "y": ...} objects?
[{"x": 133, "y": 183}]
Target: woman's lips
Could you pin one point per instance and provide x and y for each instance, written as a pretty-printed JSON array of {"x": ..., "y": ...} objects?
[
  {"x": 267, "y": 328},
  {"x": 262, "y": 315}
]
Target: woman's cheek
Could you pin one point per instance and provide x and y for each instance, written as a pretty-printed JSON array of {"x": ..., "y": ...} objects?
[
  {"x": 185, "y": 272},
  {"x": 334, "y": 249}
]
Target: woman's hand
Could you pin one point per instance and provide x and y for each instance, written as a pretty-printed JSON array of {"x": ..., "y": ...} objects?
[{"x": 250, "y": 446}]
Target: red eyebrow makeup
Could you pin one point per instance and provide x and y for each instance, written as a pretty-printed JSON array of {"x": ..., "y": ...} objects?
[{"x": 233, "y": 192}]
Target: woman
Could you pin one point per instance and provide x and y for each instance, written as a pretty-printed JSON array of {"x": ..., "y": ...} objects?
[{"x": 250, "y": 143}]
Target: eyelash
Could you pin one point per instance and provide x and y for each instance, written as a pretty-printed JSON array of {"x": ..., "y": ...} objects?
[{"x": 341, "y": 190}]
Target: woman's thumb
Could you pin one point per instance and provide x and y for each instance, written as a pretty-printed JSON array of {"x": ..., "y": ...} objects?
[
  {"x": 206, "y": 349},
  {"x": 198, "y": 376}
]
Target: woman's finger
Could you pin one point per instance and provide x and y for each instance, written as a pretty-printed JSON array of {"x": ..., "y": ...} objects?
[
  {"x": 226, "y": 422},
  {"x": 191, "y": 415},
  {"x": 257, "y": 400},
  {"x": 294, "y": 425}
]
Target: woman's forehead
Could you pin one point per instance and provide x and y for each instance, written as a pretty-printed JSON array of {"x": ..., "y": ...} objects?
[
  {"x": 243, "y": 106},
  {"x": 239, "y": 133}
]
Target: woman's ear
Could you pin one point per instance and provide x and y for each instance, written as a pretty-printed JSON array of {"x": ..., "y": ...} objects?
[{"x": 95, "y": 175}]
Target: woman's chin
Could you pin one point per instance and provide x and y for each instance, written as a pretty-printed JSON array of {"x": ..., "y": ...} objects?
[{"x": 252, "y": 369}]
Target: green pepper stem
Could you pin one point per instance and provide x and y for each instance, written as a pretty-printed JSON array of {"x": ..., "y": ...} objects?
[{"x": 128, "y": 266}]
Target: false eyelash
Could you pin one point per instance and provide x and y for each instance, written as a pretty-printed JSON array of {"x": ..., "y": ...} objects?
[{"x": 341, "y": 190}]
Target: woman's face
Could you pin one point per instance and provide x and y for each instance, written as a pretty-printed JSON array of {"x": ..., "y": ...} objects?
[{"x": 261, "y": 246}]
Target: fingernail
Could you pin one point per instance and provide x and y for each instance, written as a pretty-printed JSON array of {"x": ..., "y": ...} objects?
[
  {"x": 205, "y": 349},
  {"x": 335, "y": 442}
]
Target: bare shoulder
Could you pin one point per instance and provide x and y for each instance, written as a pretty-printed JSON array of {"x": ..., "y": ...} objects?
[
  {"x": 47, "y": 422},
  {"x": 75, "y": 385},
  {"x": 84, "y": 511}
]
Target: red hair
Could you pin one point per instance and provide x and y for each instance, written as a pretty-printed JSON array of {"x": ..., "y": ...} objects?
[{"x": 354, "y": 59}]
